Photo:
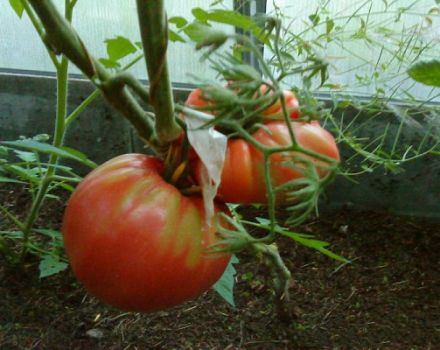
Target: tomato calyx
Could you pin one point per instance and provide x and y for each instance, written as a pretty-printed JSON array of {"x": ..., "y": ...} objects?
[
  {"x": 257, "y": 131},
  {"x": 177, "y": 167}
]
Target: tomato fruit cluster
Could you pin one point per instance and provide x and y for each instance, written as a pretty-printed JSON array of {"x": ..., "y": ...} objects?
[
  {"x": 195, "y": 99},
  {"x": 243, "y": 179},
  {"x": 137, "y": 243},
  {"x": 134, "y": 241}
]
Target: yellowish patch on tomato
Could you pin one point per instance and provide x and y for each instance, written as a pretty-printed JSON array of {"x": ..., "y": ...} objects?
[
  {"x": 170, "y": 230},
  {"x": 132, "y": 194},
  {"x": 116, "y": 176},
  {"x": 189, "y": 237}
]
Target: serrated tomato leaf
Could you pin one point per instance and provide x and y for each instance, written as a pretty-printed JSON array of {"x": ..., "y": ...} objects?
[
  {"x": 50, "y": 265},
  {"x": 178, "y": 21},
  {"x": 225, "y": 285}
]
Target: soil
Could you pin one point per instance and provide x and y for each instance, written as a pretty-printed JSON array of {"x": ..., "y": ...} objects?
[{"x": 387, "y": 298}]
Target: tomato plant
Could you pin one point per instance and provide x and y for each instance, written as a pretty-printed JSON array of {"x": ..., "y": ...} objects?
[
  {"x": 243, "y": 178},
  {"x": 134, "y": 241}
]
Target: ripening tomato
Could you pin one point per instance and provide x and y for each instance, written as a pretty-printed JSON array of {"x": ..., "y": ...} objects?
[
  {"x": 134, "y": 241},
  {"x": 195, "y": 99},
  {"x": 292, "y": 105},
  {"x": 243, "y": 179}
]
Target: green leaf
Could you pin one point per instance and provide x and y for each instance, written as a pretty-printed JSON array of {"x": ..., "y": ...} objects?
[
  {"x": 65, "y": 152},
  {"x": 303, "y": 239},
  {"x": 426, "y": 72},
  {"x": 54, "y": 234},
  {"x": 28, "y": 157},
  {"x": 12, "y": 234},
  {"x": 110, "y": 64},
  {"x": 41, "y": 138},
  {"x": 247, "y": 72},
  {"x": 175, "y": 37},
  {"x": 200, "y": 14},
  {"x": 329, "y": 25},
  {"x": 263, "y": 221},
  {"x": 17, "y": 7},
  {"x": 23, "y": 173},
  {"x": 383, "y": 30},
  {"x": 312, "y": 243},
  {"x": 235, "y": 19},
  {"x": 67, "y": 187},
  {"x": 225, "y": 285},
  {"x": 314, "y": 19},
  {"x": 9, "y": 180},
  {"x": 178, "y": 21},
  {"x": 201, "y": 33},
  {"x": 119, "y": 47},
  {"x": 50, "y": 265},
  {"x": 232, "y": 18}
]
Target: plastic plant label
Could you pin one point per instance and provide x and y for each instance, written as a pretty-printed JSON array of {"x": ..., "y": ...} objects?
[{"x": 210, "y": 146}]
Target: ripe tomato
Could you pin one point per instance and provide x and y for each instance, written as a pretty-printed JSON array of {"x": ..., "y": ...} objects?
[
  {"x": 243, "y": 179},
  {"x": 134, "y": 241},
  {"x": 291, "y": 101},
  {"x": 195, "y": 99}
]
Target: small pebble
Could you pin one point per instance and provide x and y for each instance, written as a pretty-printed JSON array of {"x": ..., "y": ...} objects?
[{"x": 95, "y": 333}]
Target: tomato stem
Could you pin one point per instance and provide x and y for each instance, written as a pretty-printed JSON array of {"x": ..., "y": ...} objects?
[
  {"x": 60, "y": 129},
  {"x": 154, "y": 33},
  {"x": 282, "y": 279},
  {"x": 61, "y": 38}
]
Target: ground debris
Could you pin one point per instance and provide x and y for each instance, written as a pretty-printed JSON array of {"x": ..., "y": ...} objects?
[{"x": 387, "y": 297}]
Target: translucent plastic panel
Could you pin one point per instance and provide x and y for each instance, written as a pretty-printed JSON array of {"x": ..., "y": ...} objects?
[
  {"x": 370, "y": 43},
  {"x": 20, "y": 47}
]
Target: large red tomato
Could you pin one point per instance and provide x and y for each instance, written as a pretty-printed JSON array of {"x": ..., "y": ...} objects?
[
  {"x": 243, "y": 178},
  {"x": 134, "y": 241}
]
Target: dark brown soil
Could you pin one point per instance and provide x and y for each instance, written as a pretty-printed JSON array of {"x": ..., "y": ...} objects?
[{"x": 388, "y": 298}]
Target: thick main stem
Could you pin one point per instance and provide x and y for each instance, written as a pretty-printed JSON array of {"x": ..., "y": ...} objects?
[{"x": 154, "y": 32}]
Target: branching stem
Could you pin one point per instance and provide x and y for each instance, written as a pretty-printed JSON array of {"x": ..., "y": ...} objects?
[{"x": 62, "y": 39}]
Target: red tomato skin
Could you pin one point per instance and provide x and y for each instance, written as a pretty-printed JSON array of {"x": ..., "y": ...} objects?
[
  {"x": 292, "y": 105},
  {"x": 238, "y": 169},
  {"x": 134, "y": 241},
  {"x": 243, "y": 178},
  {"x": 195, "y": 99}
]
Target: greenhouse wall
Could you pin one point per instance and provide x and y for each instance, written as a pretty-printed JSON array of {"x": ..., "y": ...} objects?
[{"x": 115, "y": 19}]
